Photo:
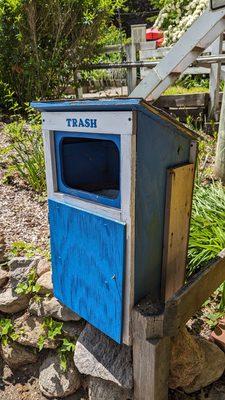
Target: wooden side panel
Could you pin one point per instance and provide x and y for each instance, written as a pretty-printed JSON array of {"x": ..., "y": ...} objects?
[
  {"x": 88, "y": 257},
  {"x": 177, "y": 221},
  {"x": 159, "y": 147}
]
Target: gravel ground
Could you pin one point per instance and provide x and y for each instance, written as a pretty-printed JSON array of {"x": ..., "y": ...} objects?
[
  {"x": 23, "y": 214},
  {"x": 23, "y": 217}
]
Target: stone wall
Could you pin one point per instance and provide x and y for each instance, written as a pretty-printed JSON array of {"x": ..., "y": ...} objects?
[
  {"x": 39, "y": 323},
  {"x": 33, "y": 322}
]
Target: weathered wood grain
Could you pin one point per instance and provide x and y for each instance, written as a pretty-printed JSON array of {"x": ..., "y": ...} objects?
[
  {"x": 180, "y": 182},
  {"x": 151, "y": 360},
  {"x": 88, "y": 259},
  {"x": 183, "y": 100},
  {"x": 187, "y": 301},
  {"x": 158, "y": 320}
]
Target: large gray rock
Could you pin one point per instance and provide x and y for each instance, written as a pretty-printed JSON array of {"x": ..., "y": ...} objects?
[
  {"x": 19, "y": 269},
  {"x": 45, "y": 282},
  {"x": 213, "y": 366},
  {"x": 54, "y": 382},
  {"x": 11, "y": 302},
  {"x": 43, "y": 266},
  {"x": 98, "y": 356},
  {"x": 16, "y": 355},
  {"x": 195, "y": 362},
  {"x": 4, "y": 277},
  {"x": 30, "y": 329},
  {"x": 105, "y": 390},
  {"x": 51, "y": 307},
  {"x": 187, "y": 359}
]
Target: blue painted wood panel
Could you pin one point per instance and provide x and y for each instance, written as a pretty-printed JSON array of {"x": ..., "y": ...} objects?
[
  {"x": 88, "y": 259},
  {"x": 160, "y": 145}
]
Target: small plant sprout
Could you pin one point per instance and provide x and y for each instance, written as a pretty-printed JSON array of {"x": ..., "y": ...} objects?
[
  {"x": 67, "y": 347},
  {"x": 7, "y": 331},
  {"x": 29, "y": 286},
  {"x": 53, "y": 330}
]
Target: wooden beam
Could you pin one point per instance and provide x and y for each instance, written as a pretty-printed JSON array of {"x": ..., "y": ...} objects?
[
  {"x": 215, "y": 75},
  {"x": 199, "y": 36},
  {"x": 151, "y": 362},
  {"x": 148, "y": 317},
  {"x": 188, "y": 300},
  {"x": 180, "y": 182},
  {"x": 158, "y": 320},
  {"x": 182, "y": 100}
]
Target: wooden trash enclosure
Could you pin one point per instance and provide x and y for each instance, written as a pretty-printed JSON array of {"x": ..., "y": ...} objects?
[{"x": 119, "y": 245}]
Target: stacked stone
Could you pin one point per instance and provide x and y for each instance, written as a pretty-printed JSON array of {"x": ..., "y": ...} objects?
[{"x": 99, "y": 365}]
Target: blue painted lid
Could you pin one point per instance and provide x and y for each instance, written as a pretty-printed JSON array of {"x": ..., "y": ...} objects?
[
  {"x": 112, "y": 104},
  {"x": 86, "y": 105}
]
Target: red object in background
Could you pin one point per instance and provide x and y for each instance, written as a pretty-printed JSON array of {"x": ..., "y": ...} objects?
[{"x": 153, "y": 34}]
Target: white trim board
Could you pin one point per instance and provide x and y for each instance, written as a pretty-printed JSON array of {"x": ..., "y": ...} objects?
[{"x": 108, "y": 122}]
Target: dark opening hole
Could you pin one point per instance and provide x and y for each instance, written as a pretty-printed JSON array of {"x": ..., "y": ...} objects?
[{"x": 91, "y": 165}]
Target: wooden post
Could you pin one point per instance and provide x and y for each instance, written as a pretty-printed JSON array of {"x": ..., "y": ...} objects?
[
  {"x": 219, "y": 167},
  {"x": 215, "y": 75},
  {"x": 151, "y": 353},
  {"x": 131, "y": 72},
  {"x": 151, "y": 361}
]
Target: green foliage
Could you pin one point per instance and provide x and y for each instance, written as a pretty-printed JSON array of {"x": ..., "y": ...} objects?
[
  {"x": 30, "y": 285},
  {"x": 43, "y": 43},
  {"x": 7, "y": 331},
  {"x": 53, "y": 330},
  {"x": 207, "y": 231},
  {"x": 67, "y": 347},
  {"x": 26, "y": 153},
  {"x": 28, "y": 250},
  {"x": 213, "y": 318}
]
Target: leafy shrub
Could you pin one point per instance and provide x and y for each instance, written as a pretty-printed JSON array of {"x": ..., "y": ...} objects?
[
  {"x": 26, "y": 153},
  {"x": 42, "y": 43},
  {"x": 207, "y": 231}
]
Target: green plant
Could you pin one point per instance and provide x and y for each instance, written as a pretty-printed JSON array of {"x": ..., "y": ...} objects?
[
  {"x": 53, "y": 330},
  {"x": 7, "y": 331},
  {"x": 43, "y": 43},
  {"x": 207, "y": 231},
  {"x": 66, "y": 348},
  {"x": 213, "y": 318},
  {"x": 30, "y": 285},
  {"x": 28, "y": 250},
  {"x": 26, "y": 153}
]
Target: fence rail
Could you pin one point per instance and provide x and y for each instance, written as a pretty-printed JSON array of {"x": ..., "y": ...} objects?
[{"x": 141, "y": 57}]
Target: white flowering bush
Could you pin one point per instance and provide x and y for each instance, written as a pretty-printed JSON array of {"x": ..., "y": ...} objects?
[{"x": 177, "y": 16}]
